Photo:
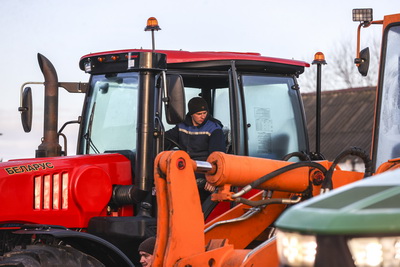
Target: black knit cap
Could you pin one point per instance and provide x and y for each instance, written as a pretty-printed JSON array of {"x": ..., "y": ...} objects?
[
  {"x": 197, "y": 104},
  {"x": 148, "y": 245}
]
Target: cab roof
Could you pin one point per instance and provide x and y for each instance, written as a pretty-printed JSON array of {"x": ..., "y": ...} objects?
[
  {"x": 180, "y": 56},
  {"x": 177, "y": 59}
]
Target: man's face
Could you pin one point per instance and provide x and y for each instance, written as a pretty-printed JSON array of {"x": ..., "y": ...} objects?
[
  {"x": 146, "y": 259},
  {"x": 199, "y": 117}
]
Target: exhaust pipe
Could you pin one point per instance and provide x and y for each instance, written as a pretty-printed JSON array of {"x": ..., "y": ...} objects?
[{"x": 50, "y": 146}]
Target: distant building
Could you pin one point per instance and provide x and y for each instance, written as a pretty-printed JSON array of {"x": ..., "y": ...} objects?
[{"x": 346, "y": 120}]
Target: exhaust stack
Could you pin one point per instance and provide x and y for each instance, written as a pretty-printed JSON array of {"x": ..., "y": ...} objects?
[{"x": 50, "y": 146}]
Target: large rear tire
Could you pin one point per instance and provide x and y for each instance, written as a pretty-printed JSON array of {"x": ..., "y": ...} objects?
[{"x": 46, "y": 256}]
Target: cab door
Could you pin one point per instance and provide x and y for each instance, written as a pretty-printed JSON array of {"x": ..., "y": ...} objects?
[{"x": 275, "y": 124}]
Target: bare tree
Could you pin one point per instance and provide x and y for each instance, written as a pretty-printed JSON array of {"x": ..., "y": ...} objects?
[{"x": 341, "y": 72}]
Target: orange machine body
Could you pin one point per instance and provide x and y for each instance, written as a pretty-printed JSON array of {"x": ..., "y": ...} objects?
[{"x": 182, "y": 236}]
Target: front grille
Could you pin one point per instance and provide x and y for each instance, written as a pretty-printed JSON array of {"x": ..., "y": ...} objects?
[{"x": 51, "y": 192}]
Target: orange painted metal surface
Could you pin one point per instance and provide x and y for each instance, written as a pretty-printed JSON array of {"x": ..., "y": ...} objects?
[
  {"x": 181, "y": 240},
  {"x": 180, "y": 218},
  {"x": 242, "y": 236},
  {"x": 341, "y": 177},
  {"x": 389, "y": 165},
  {"x": 242, "y": 233},
  {"x": 389, "y": 19},
  {"x": 241, "y": 171}
]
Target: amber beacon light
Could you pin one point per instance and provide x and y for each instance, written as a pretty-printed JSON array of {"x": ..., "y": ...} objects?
[{"x": 152, "y": 25}]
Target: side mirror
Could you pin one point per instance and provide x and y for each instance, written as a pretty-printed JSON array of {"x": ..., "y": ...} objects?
[
  {"x": 26, "y": 109},
  {"x": 175, "y": 109},
  {"x": 363, "y": 62}
]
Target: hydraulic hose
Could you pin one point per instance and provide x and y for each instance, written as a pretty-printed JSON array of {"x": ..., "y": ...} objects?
[
  {"x": 353, "y": 151},
  {"x": 250, "y": 213},
  {"x": 301, "y": 155},
  {"x": 267, "y": 201}
]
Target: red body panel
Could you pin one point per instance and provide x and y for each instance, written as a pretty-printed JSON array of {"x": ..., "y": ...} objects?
[
  {"x": 65, "y": 191},
  {"x": 174, "y": 56}
]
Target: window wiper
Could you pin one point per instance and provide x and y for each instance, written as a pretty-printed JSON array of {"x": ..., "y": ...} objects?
[
  {"x": 91, "y": 144},
  {"x": 89, "y": 132}
]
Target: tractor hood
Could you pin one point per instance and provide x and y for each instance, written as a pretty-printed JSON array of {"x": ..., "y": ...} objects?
[{"x": 369, "y": 206}]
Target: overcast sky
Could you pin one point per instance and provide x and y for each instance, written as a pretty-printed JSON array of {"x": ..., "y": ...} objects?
[{"x": 64, "y": 31}]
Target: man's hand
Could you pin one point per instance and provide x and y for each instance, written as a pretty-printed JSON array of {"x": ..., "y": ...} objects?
[{"x": 209, "y": 187}]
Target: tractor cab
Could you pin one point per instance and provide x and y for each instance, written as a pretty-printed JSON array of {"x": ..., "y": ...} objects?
[{"x": 256, "y": 98}]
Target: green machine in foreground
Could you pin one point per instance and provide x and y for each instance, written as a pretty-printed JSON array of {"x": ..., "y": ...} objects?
[{"x": 355, "y": 225}]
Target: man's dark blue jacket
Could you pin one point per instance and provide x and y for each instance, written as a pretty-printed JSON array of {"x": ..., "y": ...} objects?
[{"x": 198, "y": 141}]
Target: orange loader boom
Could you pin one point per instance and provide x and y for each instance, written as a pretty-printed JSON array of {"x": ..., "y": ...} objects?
[{"x": 243, "y": 235}]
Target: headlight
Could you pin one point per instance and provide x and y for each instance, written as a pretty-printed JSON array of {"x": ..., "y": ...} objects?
[
  {"x": 295, "y": 249},
  {"x": 375, "y": 251}
]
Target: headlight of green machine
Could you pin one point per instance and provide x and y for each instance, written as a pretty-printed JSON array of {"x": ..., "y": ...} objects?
[
  {"x": 357, "y": 225},
  {"x": 295, "y": 249},
  {"x": 375, "y": 251}
]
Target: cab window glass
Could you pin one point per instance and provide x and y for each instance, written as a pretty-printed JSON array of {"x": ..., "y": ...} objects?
[{"x": 271, "y": 120}]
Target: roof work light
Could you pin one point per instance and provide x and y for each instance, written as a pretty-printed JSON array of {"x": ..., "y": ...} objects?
[{"x": 362, "y": 14}]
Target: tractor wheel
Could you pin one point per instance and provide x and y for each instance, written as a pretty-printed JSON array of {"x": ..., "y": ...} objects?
[{"x": 46, "y": 256}]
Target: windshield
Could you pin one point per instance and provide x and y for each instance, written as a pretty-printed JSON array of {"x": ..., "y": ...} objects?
[
  {"x": 112, "y": 115},
  {"x": 388, "y": 144}
]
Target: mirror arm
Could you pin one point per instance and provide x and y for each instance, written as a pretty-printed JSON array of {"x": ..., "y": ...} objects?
[
  {"x": 71, "y": 87},
  {"x": 74, "y": 87},
  {"x": 21, "y": 108},
  {"x": 365, "y": 24}
]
